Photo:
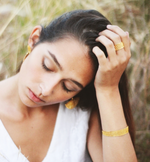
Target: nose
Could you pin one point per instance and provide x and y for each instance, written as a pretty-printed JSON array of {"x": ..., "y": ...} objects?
[{"x": 48, "y": 85}]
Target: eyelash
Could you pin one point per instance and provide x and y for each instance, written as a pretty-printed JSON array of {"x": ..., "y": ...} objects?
[
  {"x": 63, "y": 85},
  {"x": 45, "y": 67}
]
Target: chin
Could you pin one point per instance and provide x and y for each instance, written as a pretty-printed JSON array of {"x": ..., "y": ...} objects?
[{"x": 29, "y": 103}]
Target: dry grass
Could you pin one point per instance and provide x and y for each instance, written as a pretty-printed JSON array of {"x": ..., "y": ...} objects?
[{"x": 18, "y": 17}]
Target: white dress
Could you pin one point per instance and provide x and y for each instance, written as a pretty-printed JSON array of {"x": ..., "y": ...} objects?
[{"x": 68, "y": 142}]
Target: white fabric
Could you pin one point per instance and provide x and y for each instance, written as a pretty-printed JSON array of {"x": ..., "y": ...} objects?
[{"x": 68, "y": 142}]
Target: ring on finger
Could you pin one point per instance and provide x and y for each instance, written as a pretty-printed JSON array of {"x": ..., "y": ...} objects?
[{"x": 119, "y": 46}]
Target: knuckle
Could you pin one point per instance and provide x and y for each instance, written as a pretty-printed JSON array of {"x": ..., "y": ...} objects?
[
  {"x": 106, "y": 69},
  {"x": 117, "y": 38},
  {"x": 124, "y": 35},
  {"x": 123, "y": 59},
  {"x": 100, "y": 55},
  {"x": 129, "y": 55},
  {"x": 115, "y": 65},
  {"x": 129, "y": 42},
  {"x": 110, "y": 45},
  {"x": 115, "y": 27}
]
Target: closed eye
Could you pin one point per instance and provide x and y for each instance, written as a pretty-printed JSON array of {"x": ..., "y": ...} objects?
[
  {"x": 66, "y": 89},
  {"x": 45, "y": 67}
]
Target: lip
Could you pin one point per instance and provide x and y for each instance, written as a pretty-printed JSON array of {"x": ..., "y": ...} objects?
[{"x": 33, "y": 97}]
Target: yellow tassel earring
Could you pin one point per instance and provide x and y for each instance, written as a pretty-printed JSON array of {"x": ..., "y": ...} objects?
[
  {"x": 72, "y": 103},
  {"x": 29, "y": 51}
]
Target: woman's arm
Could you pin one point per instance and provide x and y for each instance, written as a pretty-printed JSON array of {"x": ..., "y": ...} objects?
[{"x": 120, "y": 148}]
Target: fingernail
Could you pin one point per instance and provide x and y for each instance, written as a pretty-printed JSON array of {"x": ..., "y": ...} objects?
[
  {"x": 95, "y": 49},
  {"x": 109, "y": 26},
  {"x": 127, "y": 34}
]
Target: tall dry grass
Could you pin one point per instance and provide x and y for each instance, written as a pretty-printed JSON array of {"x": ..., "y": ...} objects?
[{"x": 18, "y": 17}]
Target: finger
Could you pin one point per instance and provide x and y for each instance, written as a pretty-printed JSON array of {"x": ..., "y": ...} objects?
[
  {"x": 115, "y": 38},
  {"x": 100, "y": 56},
  {"x": 123, "y": 35},
  {"x": 128, "y": 38},
  {"x": 109, "y": 47},
  {"x": 129, "y": 52}
]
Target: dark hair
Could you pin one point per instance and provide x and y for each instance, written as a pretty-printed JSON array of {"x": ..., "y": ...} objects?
[{"x": 85, "y": 25}]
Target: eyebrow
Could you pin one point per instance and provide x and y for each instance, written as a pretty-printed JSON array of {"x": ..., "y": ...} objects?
[
  {"x": 55, "y": 60},
  {"x": 78, "y": 84},
  {"x": 60, "y": 67}
]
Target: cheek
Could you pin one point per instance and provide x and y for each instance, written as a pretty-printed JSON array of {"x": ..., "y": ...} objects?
[
  {"x": 60, "y": 95},
  {"x": 30, "y": 70},
  {"x": 62, "y": 98}
]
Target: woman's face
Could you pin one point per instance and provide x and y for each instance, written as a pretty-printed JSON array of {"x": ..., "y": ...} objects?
[{"x": 54, "y": 72}]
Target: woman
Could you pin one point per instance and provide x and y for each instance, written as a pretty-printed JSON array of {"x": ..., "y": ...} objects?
[{"x": 80, "y": 58}]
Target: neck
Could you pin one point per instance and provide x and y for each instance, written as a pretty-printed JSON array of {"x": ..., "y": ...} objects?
[{"x": 11, "y": 86}]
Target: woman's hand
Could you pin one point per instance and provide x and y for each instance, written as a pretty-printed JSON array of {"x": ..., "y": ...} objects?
[
  {"x": 111, "y": 68},
  {"x": 109, "y": 100}
]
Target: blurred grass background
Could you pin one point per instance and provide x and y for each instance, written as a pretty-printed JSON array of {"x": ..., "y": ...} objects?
[{"x": 18, "y": 17}]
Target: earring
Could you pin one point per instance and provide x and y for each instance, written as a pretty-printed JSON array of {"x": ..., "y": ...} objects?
[
  {"x": 29, "y": 51},
  {"x": 72, "y": 103}
]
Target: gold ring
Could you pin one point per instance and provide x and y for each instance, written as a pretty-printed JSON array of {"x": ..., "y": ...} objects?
[{"x": 119, "y": 46}]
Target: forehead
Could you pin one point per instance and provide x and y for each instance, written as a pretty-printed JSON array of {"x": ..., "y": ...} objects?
[{"x": 74, "y": 59}]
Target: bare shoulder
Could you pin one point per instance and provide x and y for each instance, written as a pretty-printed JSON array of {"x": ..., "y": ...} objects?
[
  {"x": 4, "y": 96},
  {"x": 2, "y": 90},
  {"x": 94, "y": 139}
]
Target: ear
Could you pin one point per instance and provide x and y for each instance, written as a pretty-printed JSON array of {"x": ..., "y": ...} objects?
[{"x": 34, "y": 36}]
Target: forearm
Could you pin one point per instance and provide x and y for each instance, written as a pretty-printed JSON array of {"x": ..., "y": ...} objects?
[
  {"x": 112, "y": 118},
  {"x": 110, "y": 70}
]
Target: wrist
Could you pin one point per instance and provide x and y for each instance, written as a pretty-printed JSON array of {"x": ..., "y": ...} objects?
[{"x": 107, "y": 90}]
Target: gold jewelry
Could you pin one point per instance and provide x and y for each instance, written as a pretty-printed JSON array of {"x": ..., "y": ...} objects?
[
  {"x": 25, "y": 56},
  {"x": 119, "y": 46},
  {"x": 29, "y": 51},
  {"x": 120, "y": 132},
  {"x": 72, "y": 103}
]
